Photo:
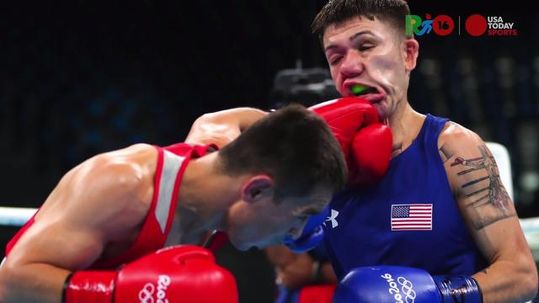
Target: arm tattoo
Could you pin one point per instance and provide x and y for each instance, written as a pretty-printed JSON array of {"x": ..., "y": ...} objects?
[
  {"x": 495, "y": 193},
  {"x": 445, "y": 154},
  {"x": 486, "y": 192}
]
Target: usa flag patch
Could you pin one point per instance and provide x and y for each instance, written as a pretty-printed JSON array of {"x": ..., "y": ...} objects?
[{"x": 405, "y": 217}]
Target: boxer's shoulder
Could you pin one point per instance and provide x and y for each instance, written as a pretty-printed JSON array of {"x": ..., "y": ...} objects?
[
  {"x": 457, "y": 137},
  {"x": 464, "y": 155},
  {"x": 130, "y": 168},
  {"x": 112, "y": 188}
]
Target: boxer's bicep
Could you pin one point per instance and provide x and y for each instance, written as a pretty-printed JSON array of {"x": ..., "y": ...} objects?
[
  {"x": 482, "y": 199},
  {"x": 46, "y": 253},
  {"x": 40, "y": 262},
  {"x": 57, "y": 244},
  {"x": 475, "y": 180},
  {"x": 66, "y": 232}
]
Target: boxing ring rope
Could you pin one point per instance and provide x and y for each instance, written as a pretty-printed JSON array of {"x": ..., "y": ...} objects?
[
  {"x": 530, "y": 226},
  {"x": 17, "y": 216}
]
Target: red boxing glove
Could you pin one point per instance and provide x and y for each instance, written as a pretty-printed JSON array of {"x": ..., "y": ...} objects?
[
  {"x": 345, "y": 117},
  {"x": 371, "y": 154},
  {"x": 365, "y": 141},
  {"x": 176, "y": 274}
]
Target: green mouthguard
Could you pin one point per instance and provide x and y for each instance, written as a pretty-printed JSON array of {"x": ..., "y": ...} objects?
[{"x": 358, "y": 89}]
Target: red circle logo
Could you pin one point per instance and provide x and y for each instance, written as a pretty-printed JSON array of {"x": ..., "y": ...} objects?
[
  {"x": 443, "y": 25},
  {"x": 476, "y": 25}
]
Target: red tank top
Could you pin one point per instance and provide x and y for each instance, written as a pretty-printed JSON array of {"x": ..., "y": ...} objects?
[{"x": 171, "y": 163}]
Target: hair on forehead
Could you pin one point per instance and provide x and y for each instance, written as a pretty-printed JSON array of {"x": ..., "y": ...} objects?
[{"x": 336, "y": 12}]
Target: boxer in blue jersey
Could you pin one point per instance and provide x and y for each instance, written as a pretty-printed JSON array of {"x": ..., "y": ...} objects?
[
  {"x": 439, "y": 226},
  {"x": 441, "y": 207}
]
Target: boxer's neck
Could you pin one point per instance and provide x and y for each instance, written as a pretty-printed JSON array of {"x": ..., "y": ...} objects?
[
  {"x": 205, "y": 195},
  {"x": 405, "y": 125}
]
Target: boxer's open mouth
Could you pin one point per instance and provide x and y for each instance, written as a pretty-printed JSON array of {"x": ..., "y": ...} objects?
[{"x": 360, "y": 90}]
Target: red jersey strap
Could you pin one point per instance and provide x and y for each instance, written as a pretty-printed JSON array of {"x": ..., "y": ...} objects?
[
  {"x": 216, "y": 240},
  {"x": 197, "y": 151}
]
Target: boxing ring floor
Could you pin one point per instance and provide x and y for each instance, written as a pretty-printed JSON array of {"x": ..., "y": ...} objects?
[{"x": 17, "y": 216}]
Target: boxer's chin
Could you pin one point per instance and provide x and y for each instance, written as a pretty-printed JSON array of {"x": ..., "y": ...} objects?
[{"x": 381, "y": 108}]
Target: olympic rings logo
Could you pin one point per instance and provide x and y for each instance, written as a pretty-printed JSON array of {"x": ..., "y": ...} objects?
[
  {"x": 406, "y": 289},
  {"x": 146, "y": 294}
]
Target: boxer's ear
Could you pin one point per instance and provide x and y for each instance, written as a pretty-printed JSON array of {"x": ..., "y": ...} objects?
[
  {"x": 256, "y": 188},
  {"x": 410, "y": 51}
]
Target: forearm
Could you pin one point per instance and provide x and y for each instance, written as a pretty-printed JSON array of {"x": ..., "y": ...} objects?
[
  {"x": 241, "y": 117},
  {"x": 32, "y": 283},
  {"x": 305, "y": 271},
  {"x": 327, "y": 274},
  {"x": 503, "y": 281},
  {"x": 223, "y": 126}
]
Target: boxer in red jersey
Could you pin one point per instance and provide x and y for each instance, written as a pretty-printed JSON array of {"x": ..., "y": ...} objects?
[{"x": 117, "y": 208}]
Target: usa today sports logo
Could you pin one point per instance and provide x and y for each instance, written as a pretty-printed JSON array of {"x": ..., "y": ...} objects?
[{"x": 474, "y": 25}]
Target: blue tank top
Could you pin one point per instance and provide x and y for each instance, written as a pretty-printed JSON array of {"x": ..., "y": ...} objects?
[{"x": 410, "y": 218}]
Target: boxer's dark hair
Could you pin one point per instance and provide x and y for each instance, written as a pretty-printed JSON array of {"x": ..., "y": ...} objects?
[
  {"x": 292, "y": 145},
  {"x": 338, "y": 11}
]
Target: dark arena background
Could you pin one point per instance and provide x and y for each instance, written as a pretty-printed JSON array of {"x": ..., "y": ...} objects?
[{"x": 83, "y": 77}]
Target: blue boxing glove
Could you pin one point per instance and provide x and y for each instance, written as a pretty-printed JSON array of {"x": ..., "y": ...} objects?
[
  {"x": 404, "y": 285},
  {"x": 311, "y": 236}
]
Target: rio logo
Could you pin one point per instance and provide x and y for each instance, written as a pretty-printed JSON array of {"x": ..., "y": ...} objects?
[{"x": 441, "y": 25}]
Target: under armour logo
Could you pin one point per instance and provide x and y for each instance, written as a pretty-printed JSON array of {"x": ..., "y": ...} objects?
[{"x": 333, "y": 218}]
